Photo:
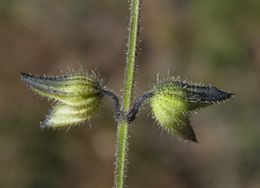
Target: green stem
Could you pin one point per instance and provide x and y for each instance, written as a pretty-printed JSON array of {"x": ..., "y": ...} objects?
[
  {"x": 131, "y": 54},
  {"x": 121, "y": 153},
  {"x": 123, "y": 126}
]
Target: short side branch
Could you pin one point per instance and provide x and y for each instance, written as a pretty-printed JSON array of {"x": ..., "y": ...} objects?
[
  {"x": 137, "y": 105},
  {"x": 117, "y": 105}
]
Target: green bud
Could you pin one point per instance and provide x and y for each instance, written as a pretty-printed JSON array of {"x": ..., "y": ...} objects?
[
  {"x": 77, "y": 97},
  {"x": 172, "y": 113},
  {"x": 173, "y": 101}
]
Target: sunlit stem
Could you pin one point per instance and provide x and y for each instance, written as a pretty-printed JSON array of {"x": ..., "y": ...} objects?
[{"x": 123, "y": 126}]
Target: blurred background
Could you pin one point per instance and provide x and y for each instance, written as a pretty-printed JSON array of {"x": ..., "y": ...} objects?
[{"x": 208, "y": 41}]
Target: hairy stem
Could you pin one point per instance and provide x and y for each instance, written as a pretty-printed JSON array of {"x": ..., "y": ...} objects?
[
  {"x": 123, "y": 126},
  {"x": 131, "y": 54},
  {"x": 121, "y": 153}
]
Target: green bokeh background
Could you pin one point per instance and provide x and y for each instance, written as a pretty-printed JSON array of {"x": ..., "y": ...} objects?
[{"x": 214, "y": 42}]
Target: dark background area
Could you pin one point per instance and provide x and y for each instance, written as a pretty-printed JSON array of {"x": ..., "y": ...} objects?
[{"x": 208, "y": 41}]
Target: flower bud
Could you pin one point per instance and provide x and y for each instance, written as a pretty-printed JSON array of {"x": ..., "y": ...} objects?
[
  {"x": 172, "y": 113},
  {"x": 173, "y": 101},
  {"x": 77, "y": 97}
]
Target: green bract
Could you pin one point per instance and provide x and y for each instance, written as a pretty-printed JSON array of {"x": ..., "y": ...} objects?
[
  {"x": 77, "y": 97},
  {"x": 173, "y": 101}
]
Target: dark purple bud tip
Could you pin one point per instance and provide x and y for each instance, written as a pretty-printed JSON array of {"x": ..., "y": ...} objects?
[
  {"x": 206, "y": 94},
  {"x": 217, "y": 95},
  {"x": 25, "y": 76}
]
